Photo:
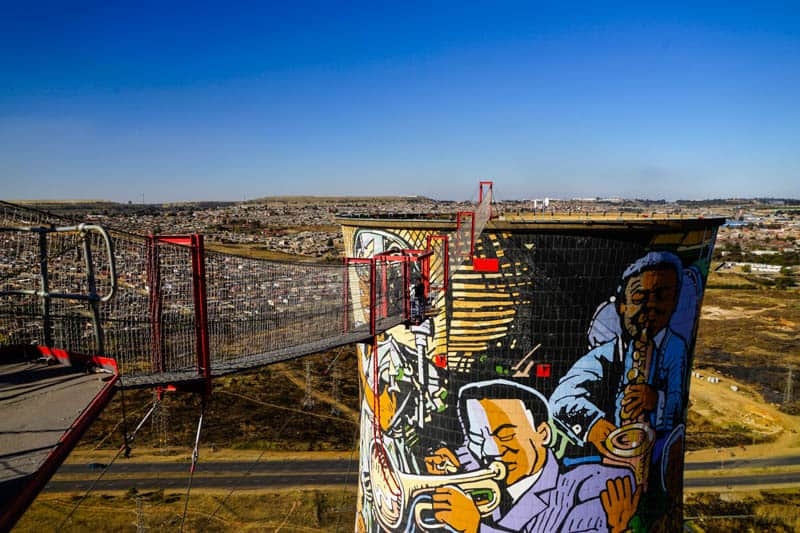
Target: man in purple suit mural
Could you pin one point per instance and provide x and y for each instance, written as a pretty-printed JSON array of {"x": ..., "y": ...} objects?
[{"x": 508, "y": 422}]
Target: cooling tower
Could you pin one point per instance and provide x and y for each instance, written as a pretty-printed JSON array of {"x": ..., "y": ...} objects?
[{"x": 545, "y": 388}]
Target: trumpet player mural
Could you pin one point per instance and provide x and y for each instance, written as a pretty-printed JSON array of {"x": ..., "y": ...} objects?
[{"x": 546, "y": 388}]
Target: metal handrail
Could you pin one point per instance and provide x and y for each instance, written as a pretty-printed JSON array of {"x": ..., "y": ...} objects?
[{"x": 92, "y": 297}]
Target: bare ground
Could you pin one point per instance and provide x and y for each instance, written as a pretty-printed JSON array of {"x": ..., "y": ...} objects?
[{"x": 749, "y": 340}]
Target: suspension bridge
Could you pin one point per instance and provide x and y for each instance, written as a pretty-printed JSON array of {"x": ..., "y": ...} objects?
[{"x": 86, "y": 310}]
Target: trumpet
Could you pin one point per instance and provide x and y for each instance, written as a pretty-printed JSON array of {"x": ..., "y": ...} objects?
[{"x": 394, "y": 491}]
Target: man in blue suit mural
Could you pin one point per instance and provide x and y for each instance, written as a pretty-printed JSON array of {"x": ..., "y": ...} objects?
[
  {"x": 507, "y": 422},
  {"x": 638, "y": 379},
  {"x": 647, "y": 362}
]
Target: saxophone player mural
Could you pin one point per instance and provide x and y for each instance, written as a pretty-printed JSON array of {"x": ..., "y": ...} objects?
[{"x": 549, "y": 394}]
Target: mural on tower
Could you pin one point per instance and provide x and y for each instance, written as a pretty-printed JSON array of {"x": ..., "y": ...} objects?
[{"x": 549, "y": 395}]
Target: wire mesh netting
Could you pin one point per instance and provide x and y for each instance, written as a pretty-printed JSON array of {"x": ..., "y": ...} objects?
[
  {"x": 263, "y": 311},
  {"x": 134, "y": 298},
  {"x": 55, "y": 276}
]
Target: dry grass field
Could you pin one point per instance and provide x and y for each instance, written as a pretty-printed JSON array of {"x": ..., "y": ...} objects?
[
  {"x": 749, "y": 339},
  {"x": 307, "y": 510}
]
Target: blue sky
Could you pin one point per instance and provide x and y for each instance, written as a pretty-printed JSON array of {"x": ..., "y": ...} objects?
[{"x": 172, "y": 101}]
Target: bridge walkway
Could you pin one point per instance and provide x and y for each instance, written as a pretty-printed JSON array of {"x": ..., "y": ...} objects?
[{"x": 169, "y": 311}]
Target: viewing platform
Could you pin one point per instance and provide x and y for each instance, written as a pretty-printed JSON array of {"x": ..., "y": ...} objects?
[{"x": 47, "y": 401}]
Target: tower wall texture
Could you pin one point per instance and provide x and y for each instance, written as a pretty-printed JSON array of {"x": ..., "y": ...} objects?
[{"x": 548, "y": 395}]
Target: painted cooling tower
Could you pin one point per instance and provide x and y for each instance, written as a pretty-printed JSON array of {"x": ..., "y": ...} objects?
[{"x": 548, "y": 388}]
